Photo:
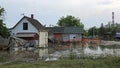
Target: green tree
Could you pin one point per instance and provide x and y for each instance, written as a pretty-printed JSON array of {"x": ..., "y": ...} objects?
[
  {"x": 3, "y": 29},
  {"x": 101, "y": 30},
  {"x": 111, "y": 28},
  {"x": 114, "y": 28},
  {"x": 1, "y": 11},
  {"x": 85, "y": 33},
  {"x": 70, "y": 21},
  {"x": 93, "y": 31}
]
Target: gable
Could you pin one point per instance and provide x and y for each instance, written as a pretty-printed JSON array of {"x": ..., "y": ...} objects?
[
  {"x": 37, "y": 24},
  {"x": 19, "y": 27},
  {"x": 33, "y": 26}
]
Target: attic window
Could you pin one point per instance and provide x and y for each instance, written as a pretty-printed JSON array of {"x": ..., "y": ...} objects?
[{"x": 25, "y": 26}]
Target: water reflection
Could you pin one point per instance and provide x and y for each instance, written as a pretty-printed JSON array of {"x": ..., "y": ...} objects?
[
  {"x": 34, "y": 54},
  {"x": 86, "y": 52},
  {"x": 30, "y": 52},
  {"x": 99, "y": 51},
  {"x": 43, "y": 53}
]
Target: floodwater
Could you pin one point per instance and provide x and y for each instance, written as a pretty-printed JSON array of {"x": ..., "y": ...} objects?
[
  {"x": 86, "y": 52},
  {"x": 32, "y": 54},
  {"x": 99, "y": 51}
]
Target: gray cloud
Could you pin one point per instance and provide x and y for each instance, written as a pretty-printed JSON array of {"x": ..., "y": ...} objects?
[{"x": 91, "y": 12}]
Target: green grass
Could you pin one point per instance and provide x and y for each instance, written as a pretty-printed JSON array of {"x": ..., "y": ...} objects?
[
  {"x": 109, "y": 62},
  {"x": 4, "y": 57}
]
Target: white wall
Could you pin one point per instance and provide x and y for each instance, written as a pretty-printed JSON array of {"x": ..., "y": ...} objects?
[
  {"x": 71, "y": 36},
  {"x": 19, "y": 27},
  {"x": 43, "y": 39}
]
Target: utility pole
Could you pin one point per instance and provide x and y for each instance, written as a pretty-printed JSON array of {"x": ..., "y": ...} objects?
[
  {"x": 113, "y": 18},
  {"x": 93, "y": 32}
]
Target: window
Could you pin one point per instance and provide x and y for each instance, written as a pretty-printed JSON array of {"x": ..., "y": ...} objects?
[{"x": 25, "y": 26}]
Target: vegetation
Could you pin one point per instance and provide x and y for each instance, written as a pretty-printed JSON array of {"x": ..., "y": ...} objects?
[
  {"x": 109, "y": 62},
  {"x": 69, "y": 21},
  {"x": 94, "y": 31},
  {"x": 3, "y": 29},
  {"x": 103, "y": 29}
]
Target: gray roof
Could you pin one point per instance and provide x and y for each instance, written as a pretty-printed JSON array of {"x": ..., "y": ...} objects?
[{"x": 65, "y": 29}]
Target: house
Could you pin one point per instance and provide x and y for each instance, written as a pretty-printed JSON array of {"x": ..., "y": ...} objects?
[
  {"x": 32, "y": 31},
  {"x": 65, "y": 33}
]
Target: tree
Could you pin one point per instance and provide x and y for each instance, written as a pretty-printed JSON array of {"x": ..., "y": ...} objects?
[
  {"x": 3, "y": 29},
  {"x": 93, "y": 31},
  {"x": 1, "y": 11},
  {"x": 70, "y": 21},
  {"x": 101, "y": 30},
  {"x": 111, "y": 28}
]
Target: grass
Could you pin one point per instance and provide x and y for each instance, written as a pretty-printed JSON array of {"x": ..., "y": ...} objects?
[
  {"x": 4, "y": 56},
  {"x": 109, "y": 62}
]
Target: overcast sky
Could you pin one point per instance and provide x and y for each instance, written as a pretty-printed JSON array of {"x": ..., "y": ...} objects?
[{"x": 91, "y": 12}]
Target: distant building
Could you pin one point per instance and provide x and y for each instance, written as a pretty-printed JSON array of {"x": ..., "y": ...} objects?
[
  {"x": 65, "y": 33},
  {"x": 118, "y": 33},
  {"x": 31, "y": 30}
]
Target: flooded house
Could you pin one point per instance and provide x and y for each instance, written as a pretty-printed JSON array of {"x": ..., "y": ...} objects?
[
  {"x": 32, "y": 31},
  {"x": 65, "y": 33}
]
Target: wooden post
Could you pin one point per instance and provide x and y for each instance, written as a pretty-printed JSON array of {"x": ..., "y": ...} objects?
[{"x": 82, "y": 41}]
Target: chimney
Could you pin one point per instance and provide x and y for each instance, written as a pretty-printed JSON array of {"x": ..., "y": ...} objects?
[
  {"x": 112, "y": 17},
  {"x": 32, "y": 16}
]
